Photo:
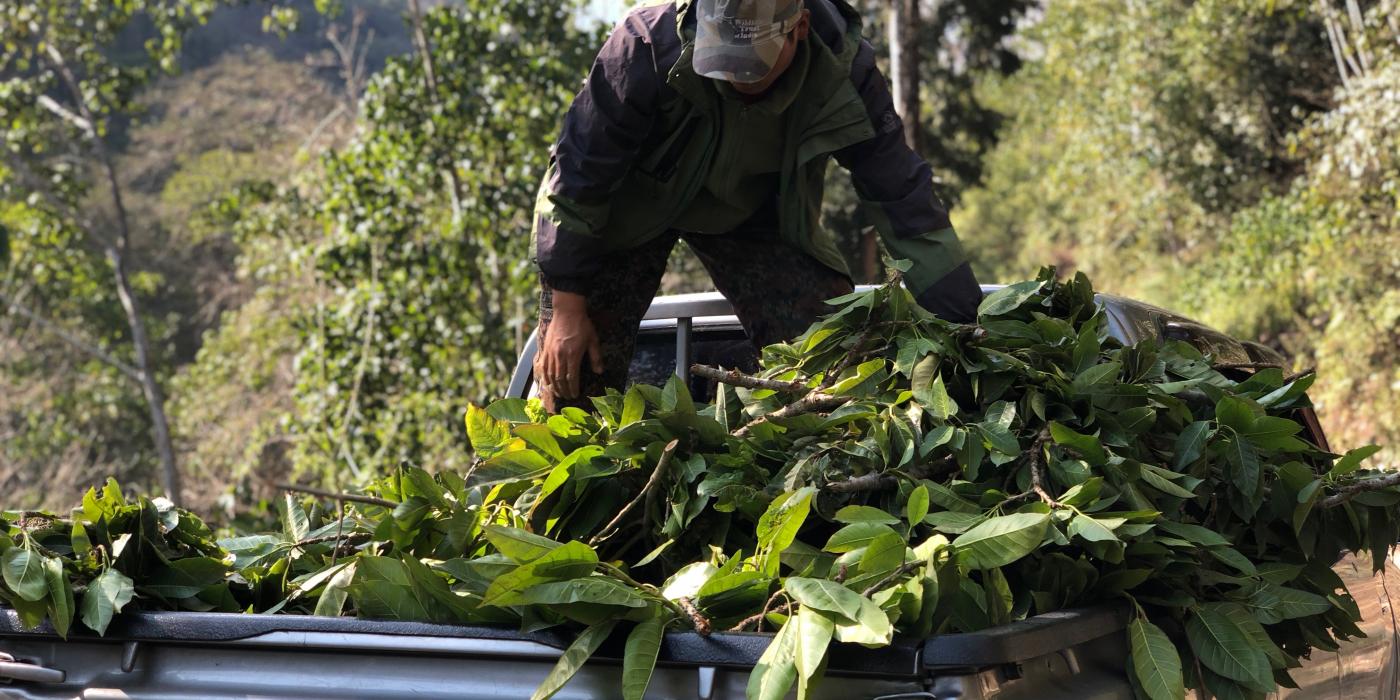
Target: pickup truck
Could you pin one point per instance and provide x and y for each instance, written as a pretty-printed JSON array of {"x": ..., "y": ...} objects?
[{"x": 1069, "y": 655}]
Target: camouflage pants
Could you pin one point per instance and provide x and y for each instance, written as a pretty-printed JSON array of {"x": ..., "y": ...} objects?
[{"x": 777, "y": 291}]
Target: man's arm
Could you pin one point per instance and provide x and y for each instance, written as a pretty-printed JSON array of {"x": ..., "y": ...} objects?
[
  {"x": 602, "y": 132},
  {"x": 896, "y": 186}
]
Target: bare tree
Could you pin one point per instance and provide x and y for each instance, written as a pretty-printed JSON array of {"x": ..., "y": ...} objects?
[{"x": 116, "y": 247}]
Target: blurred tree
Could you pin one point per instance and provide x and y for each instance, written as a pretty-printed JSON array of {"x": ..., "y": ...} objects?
[
  {"x": 1230, "y": 159},
  {"x": 61, "y": 93},
  {"x": 408, "y": 251}
]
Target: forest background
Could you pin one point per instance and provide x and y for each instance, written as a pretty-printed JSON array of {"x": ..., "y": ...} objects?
[{"x": 244, "y": 243}]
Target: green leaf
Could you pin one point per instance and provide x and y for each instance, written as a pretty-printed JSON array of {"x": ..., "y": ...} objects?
[
  {"x": 1155, "y": 661},
  {"x": 82, "y": 545},
  {"x": 779, "y": 525},
  {"x": 639, "y": 657},
  {"x": 855, "y": 536},
  {"x": 1008, "y": 298},
  {"x": 488, "y": 435},
  {"x": 1089, "y": 529},
  {"x": 688, "y": 582},
  {"x": 928, "y": 388},
  {"x": 1351, "y": 461},
  {"x": 185, "y": 578},
  {"x": 1225, "y": 648},
  {"x": 23, "y": 571},
  {"x": 812, "y": 640},
  {"x": 828, "y": 596},
  {"x": 1274, "y": 433},
  {"x": 633, "y": 408},
  {"x": 1156, "y": 479},
  {"x": 1203, "y": 536},
  {"x": 518, "y": 544},
  {"x": 1235, "y": 413},
  {"x": 953, "y": 523},
  {"x": 917, "y": 506},
  {"x": 61, "y": 606},
  {"x": 295, "y": 524},
  {"x": 332, "y": 600},
  {"x": 1245, "y": 462},
  {"x": 884, "y": 553},
  {"x": 383, "y": 588},
  {"x": 105, "y": 597},
  {"x": 864, "y": 514},
  {"x": 517, "y": 465},
  {"x": 1191, "y": 444},
  {"x": 1096, "y": 378},
  {"x": 594, "y": 589},
  {"x": 1081, "y": 495},
  {"x": 573, "y": 659},
  {"x": 1087, "y": 446},
  {"x": 1232, "y": 558},
  {"x": 1002, "y": 540},
  {"x": 776, "y": 670},
  {"x": 1273, "y": 604},
  {"x": 568, "y": 561}
]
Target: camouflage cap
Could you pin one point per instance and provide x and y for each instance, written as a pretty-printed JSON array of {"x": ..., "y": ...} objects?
[{"x": 740, "y": 40}]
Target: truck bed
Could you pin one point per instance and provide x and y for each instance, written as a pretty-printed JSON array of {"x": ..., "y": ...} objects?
[{"x": 164, "y": 656}]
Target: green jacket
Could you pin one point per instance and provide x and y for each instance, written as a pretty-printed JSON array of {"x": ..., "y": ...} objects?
[{"x": 639, "y": 140}]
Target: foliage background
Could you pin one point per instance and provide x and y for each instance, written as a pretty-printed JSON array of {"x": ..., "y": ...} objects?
[{"x": 334, "y": 260}]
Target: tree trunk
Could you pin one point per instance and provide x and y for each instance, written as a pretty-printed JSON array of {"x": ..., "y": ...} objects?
[
  {"x": 904, "y": 67},
  {"x": 150, "y": 388},
  {"x": 115, "y": 250}
]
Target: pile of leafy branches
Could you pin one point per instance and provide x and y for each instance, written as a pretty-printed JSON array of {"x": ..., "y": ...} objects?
[{"x": 886, "y": 473}]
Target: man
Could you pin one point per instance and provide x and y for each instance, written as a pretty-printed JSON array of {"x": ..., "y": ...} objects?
[{"x": 713, "y": 121}]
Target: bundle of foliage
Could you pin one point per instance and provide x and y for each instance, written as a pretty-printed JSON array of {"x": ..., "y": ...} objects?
[
  {"x": 1234, "y": 160},
  {"x": 885, "y": 473}
]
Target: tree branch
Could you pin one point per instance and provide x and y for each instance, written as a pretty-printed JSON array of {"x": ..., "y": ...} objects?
[
  {"x": 1349, "y": 492},
  {"x": 15, "y": 307},
  {"x": 65, "y": 114}
]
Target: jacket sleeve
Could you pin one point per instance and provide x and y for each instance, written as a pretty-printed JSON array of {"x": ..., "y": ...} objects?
[
  {"x": 602, "y": 133},
  {"x": 895, "y": 185}
]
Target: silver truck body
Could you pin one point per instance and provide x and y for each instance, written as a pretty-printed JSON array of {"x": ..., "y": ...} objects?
[{"x": 1069, "y": 655}]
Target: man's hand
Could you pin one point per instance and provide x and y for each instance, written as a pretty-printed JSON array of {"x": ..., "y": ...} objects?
[{"x": 570, "y": 335}]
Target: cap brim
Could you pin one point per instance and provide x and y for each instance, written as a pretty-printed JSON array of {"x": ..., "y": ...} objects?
[{"x": 743, "y": 63}]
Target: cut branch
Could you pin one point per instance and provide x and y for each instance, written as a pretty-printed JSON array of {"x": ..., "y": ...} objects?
[
  {"x": 908, "y": 567},
  {"x": 661, "y": 466},
  {"x": 1246, "y": 365},
  {"x": 857, "y": 351},
  {"x": 344, "y": 497},
  {"x": 734, "y": 377},
  {"x": 884, "y": 480},
  {"x": 1037, "y": 471},
  {"x": 1349, "y": 492},
  {"x": 812, "y": 403}
]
